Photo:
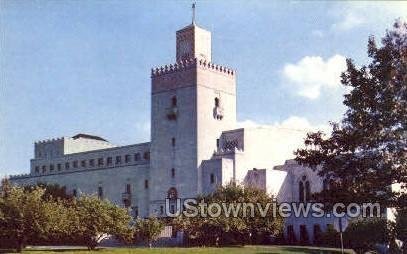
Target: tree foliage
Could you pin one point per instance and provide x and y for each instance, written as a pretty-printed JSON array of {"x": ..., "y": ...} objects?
[
  {"x": 148, "y": 230},
  {"x": 31, "y": 215},
  {"x": 238, "y": 229},
  {"x": 366, "y": 152}
]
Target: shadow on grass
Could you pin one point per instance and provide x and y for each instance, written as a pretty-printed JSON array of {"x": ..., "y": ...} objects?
[{"x": 299, "y": 250}]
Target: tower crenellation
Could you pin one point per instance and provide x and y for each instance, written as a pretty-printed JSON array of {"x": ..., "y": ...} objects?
[{"x": 188, "y": 64}]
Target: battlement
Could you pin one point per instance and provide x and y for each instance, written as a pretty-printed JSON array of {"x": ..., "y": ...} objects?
[
  {"x": 48, "y": 140},
  {"x": 188, "y": 64}
]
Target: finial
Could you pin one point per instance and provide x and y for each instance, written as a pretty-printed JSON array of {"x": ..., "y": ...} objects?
[{"x": 193, "y": 13}]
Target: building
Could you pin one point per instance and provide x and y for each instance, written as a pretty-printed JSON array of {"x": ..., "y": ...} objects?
[{"x": 195, "y": 146}]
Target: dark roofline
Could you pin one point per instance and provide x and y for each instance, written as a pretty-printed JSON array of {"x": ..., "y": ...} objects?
[{"x": 82, "y": 135}]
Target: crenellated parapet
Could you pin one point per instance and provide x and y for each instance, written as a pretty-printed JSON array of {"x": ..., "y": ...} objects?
[
  {"x": 19, "y": 176},
  {"x": 188, "y": 64},
  {"x": 49, "y": 140}
]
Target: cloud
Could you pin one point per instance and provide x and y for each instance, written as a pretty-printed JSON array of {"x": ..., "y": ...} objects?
[
  {"x": 287, "y": 136},
  {"x": 317, "y": 33},
  {"x": 351, "y": 15},
  {"x": 312, "y": 73}
]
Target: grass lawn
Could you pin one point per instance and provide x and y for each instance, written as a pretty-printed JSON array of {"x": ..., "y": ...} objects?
[{"x": 225, "y": 250}]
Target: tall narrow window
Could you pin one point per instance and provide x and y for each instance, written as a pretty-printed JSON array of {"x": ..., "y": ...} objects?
[
  {"x": 136, "y": 156},
  {"x": 174, "y": 101},
  {"x": 109, "y": 161},
  {"x": 75, "y": 164},
  {"x": 100, "y": 162},
  {"x": 212, "y": 178},
  {"x": 127, "y": 158},
  {"x": 66, "y": 165},
  {"x": 145, "y": 184},
  {"x": 173, "y": 172},
  {"x": 59, "y": 166},
  {"x": 92, "y": 162},
  {"x": 216, "y": 102},
  {"x": 83, "y": 164},
  {"x": 304, "y": 190},
  {"x": 118, "y": 159},
  {"x": 173, "y": 141},
  {"x": 135, "y": 209},
  {"x": 128, "y": 188},
  {"x": 146, "y": 155},
  {"x": 37, "y": 169},
  {"x": 51, "y": 167},
  {"x": 100, "y": 192},
  {"x": 301, "y": 191},
  {"x": 44, "y": 168}
]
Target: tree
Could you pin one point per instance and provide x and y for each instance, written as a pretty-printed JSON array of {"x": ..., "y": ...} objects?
[
  {"x": 230, "y": 229},
  {"x": 365, "y": 234},
  {"x": 367, "y": 151},
  {"x": 148, "y": 229},
  {"x": 401, "y": 227},
  {"x": 97, "y": 219},
  {"x": 25, "y": 217}
]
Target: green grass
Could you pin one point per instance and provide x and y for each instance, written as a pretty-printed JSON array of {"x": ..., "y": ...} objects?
[{"x": 225, "y": 250}]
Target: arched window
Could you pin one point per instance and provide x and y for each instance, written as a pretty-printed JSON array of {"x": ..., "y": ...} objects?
[
  {"x": 172, "y": 193},
  {"x": 304, "y": 190},
  {"x": 174, "y": 101},
  {"x": 216, "y": 102}
]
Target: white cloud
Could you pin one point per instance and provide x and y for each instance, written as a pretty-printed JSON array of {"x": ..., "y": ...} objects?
[
  {"x": 317, "y": 33},
  {"x": 350, "y": 15},
  {"x": 287, "y": 136},
  {"x": 311, "y": 73}
]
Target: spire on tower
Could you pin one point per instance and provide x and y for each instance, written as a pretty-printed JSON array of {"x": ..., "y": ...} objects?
[{"x": 193, "y": 13}]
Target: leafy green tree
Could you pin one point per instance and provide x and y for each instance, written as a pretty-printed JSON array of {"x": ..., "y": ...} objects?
[
  {"x": 148, "y": 229},
  {"x": 365, "y": 234},
  {"x": 25, "y": 217},
  {"x": 230, "y": 229},
  {"x": 97, "y": 219},
  {"x": 52, "y": 191},
  {"x": 366, "y": 152}
]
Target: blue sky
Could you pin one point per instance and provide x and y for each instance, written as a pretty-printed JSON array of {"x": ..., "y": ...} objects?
[{"x": 84, "y": 66}]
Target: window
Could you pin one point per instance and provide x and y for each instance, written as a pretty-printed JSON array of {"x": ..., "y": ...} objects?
[
  {"x": 75, "y": 164},
  {"x": 304, "y": 190},
  {"x": 290, "y": 234},
  {"x": 135, "y": 210},
  {"x": 172, "y": 193},
  {"x": 91, "y": 162},
  {"x": 128, "y": 188},
  {"x": 100, "y": 192},
  {"x": 212, "y": 178},
  {"x": 161, "y": 209},
  {"x": 216, "y": 102},
  {"x": 83, "y": 164},
  {"x": 37, "y": 169},
  {"x": 136, "y": 156},
  {"x": 127, "y": 158},
  {"x": 51, "y": 167},
  {"x": 303, "y": 234},
  {"x": 44, "y": 168},
  {"x": 174, "y": 101},
  {"x": 147, "y": 156},
  {"x": 100, "y": 162},
  {"x": 59, "y": 166},
  {"x": 217, "y": 143},
  {"x": 317, "y": 234},
  {"x": 173, "y": 141},
  {"x": 66, "y": 165},
  {"x": 118, "y": 159},
  {"x": 109, "y": 161},
  {"x": 145, "y": 184},
  {"x": 173, "y": 172}
]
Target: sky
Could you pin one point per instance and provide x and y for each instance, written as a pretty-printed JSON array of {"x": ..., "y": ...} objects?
[{"x": 70, "y": 67}]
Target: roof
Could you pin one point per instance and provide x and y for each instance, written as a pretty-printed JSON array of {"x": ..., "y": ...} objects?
[{"x": 87, "y": 136}]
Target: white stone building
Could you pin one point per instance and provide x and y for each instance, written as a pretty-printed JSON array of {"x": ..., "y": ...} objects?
[{"x": 194, "y": 146}]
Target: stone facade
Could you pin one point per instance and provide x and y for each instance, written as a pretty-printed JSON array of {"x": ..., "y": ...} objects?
[{"x": 194, "y": 146}]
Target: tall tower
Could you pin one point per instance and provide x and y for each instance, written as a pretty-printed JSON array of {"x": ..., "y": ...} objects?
[{"x": 192, "y": 102}]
